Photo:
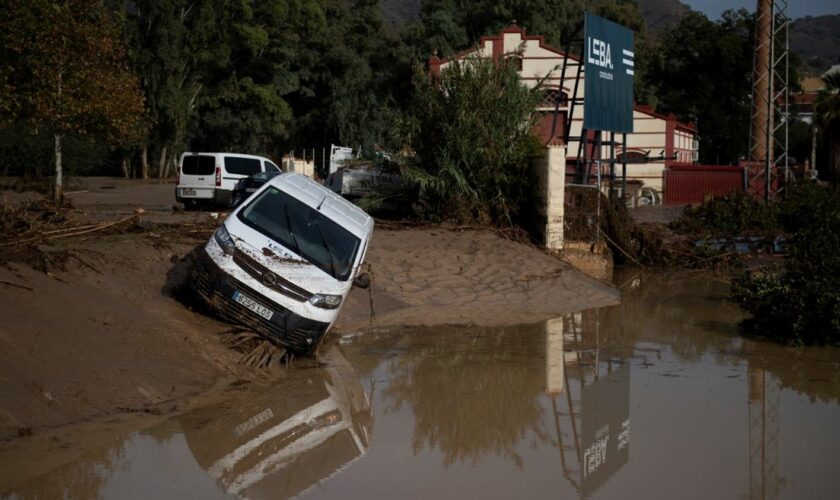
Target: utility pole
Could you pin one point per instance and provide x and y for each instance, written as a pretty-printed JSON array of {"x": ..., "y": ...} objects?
[{"x": 763, "y": 434}]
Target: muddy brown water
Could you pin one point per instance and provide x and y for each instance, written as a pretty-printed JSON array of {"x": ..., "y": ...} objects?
[{"x": 656, "y": 398}]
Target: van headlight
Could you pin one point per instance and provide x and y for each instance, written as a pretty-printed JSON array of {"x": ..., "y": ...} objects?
[
  {"x": 325, "y": 301},
  {"x": 224, "y": 240}
]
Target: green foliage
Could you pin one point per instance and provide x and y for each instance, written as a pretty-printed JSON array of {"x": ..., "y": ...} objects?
[
  {"x": 450, "y": 26},
  {"x": 274, "y": 75},
  {"x": 64, "y": 70},
  {"x": 827, "y": 118},
  {"x": 162, "y": 42},
  {"x": 28, "y": 154},
  {"x": 800, "y": 302},
  {"x": 247, "y": 52},
  {"x": 737, "y": 214},
  {"x": 472, "y": 130},
  {"x": 365, "y": 72},
  {"x": 702, "y": 71}
]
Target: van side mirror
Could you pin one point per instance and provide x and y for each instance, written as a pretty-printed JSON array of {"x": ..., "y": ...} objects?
[{"x": 362, "y": 281}]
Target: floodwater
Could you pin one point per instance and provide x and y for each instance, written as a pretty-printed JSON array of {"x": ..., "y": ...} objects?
[{"x": 656, "y": 398}]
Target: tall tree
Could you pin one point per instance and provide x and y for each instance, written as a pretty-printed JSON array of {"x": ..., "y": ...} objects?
[
  {"x": 353, "y": 73},
  {"x": 702, "y": 73},
  {"x": 64, "y": 71},
  {"x": 160, "y": 35},
  {"x": 253, "y": 50},
  {"x": 827, "y": 114},
  {"x": 443, "y": 27},
  {"x": 472, "y": 130}
]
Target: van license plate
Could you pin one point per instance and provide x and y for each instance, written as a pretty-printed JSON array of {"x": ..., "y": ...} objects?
[
  {"x": 187, "y": 192},
  {"x": 252, "y": 305}
]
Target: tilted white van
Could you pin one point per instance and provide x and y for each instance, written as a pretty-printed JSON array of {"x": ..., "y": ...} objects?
[
  {"x": 211, "y": 177},
  {"x": 283, "y": 262}
]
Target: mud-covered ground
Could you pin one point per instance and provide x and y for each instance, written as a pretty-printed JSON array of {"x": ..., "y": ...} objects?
[{"x": 100, "y": 337}]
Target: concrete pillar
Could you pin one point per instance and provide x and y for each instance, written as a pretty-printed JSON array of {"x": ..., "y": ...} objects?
[
  {"x": 554, "y": 357},
  {"x": 551, "y": 179}
]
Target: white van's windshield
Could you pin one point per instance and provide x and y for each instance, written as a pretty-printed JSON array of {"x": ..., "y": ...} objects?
[{"x": 303, "y": 230}]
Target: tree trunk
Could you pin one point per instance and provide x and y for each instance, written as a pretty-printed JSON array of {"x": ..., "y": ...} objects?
[
  {"x": 58, "y": 195},
  {"x": 814, "y": 149},
  {"x": 125, "y": 166},
  {"x": 173, "y": 163},
  {"x": 144, "y": 155},
  {"x": 834, "y": 158},
  {"x": 162, "y": 163}
]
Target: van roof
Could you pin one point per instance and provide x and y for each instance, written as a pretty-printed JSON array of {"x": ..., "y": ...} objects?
[
  {"x": 241, "y": 155},
  {"x": 317, "y": 196}
]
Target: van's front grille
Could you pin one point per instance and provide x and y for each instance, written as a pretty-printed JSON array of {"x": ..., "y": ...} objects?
[
  {"x": 286, "y": 328},
  {"x": 262, "y": 274}
]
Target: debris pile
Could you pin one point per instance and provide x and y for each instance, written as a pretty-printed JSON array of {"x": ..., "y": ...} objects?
[
  {"x": 719, "y": 234},
  {"x": 257, "y": 351},
  {"x": 29, "y": 230}
]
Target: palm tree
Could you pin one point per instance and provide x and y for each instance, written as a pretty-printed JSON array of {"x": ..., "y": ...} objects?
[{"x": 827, "y": 120}]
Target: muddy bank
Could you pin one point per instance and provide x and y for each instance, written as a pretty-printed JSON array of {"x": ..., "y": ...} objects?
[
  {"x": 102, "y": 334},
  {"x": 436, "y": 276}
]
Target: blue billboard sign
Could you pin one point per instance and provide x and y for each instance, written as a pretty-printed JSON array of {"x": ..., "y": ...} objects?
[{"x": 608, "y": 76}]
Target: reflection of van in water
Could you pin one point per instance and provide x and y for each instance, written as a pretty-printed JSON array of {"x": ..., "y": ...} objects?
[
  {"x": 211, "y": 177},
  {"x": 283, "y": 262},
  {"x": 282, "y": 442}
]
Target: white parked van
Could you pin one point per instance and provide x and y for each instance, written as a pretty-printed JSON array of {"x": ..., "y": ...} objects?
[
  {"x": 210, "y": 177},
  {"x": 283, "y": 262}
]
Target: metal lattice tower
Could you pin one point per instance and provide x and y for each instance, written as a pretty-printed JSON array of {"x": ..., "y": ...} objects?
[{"x": 770, "y": 115}]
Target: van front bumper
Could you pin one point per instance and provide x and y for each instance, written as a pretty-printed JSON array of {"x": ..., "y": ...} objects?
[{"x": 294, "y": 332}]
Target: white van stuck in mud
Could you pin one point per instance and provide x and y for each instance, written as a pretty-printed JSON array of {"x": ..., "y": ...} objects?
[{"x": 283, "y": 262}]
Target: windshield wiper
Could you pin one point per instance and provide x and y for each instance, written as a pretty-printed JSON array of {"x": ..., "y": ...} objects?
[
  {"x": 291, "y": 233},
  {"x": 327, "y": 248}
]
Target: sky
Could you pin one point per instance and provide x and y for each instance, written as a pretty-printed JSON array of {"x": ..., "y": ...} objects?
[{"x": 796, "y": 8}]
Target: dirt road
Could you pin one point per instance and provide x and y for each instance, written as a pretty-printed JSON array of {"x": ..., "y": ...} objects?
[{"x": 106, "y": 336}]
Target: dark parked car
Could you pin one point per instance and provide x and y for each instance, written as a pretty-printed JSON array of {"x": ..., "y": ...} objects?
[{"x": 248, "y": 185}]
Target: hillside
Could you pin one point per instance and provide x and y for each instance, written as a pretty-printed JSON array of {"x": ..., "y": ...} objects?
[
  {"x": 817, "y": 40},
  {"x": 657, "y": 13},
  {"x": 660, "y": 14},
  {"x": 400, "y": 11}
]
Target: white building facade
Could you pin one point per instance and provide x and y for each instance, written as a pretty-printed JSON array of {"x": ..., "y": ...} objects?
[{"x": 654, "y": 135}]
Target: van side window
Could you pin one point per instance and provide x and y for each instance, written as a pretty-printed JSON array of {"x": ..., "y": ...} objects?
[
  {"x": 270, "y": 167},
  {"x": 242, "y": 166},
  {"x": 198, "y": 165}
]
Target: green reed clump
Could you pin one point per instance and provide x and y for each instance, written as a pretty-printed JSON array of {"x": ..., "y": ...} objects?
[{"x": 799, "y": 302}]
